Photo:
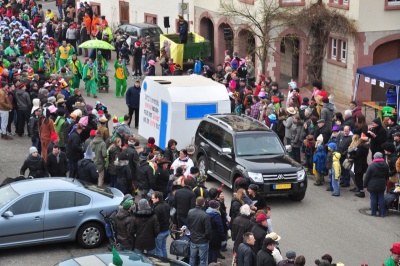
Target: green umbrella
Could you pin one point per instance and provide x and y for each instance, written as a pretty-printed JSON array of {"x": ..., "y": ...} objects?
[{"x": 97, "y": 44}]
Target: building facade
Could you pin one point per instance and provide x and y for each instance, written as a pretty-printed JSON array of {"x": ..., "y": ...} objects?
[{"x": 377, "y": 41}]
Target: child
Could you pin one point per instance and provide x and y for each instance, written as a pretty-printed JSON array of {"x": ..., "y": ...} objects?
[
  {"x": 319, "y": 162},
  {"x": 336, "y": 174},
  {"x": 328, "y": 163}
]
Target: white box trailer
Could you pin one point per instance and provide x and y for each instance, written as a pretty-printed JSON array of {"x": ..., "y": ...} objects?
[{"x": 171, "y": 107}]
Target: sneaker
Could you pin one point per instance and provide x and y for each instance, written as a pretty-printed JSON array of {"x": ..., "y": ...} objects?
[
  {"x": 329, "y": 189},
  {"x": 335, "y": 195},
  {"x": 360, "y": 194}
]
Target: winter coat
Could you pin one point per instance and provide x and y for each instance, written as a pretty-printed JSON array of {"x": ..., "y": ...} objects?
[
  {"x": 288, "y": 127},
  {"x": 87, "y": 171},
  {"x": 34, "y": 125},
  {"x": 259, "y": 233},
  {"x": 265, "y": 258},
  {"x": 113, "y": 152},
  {"x": 349, "y": 122},
  {"x": 217, "y": 229},
  {"x": 343, "y": 142},
  {"x": 355, "y": 112},
  {"x": 171, "y": 155},
  {"x": 133, "y": 158},
  {"x": 46, "y": 128},
  {"x": 329, "y": 160},
  {"x": 161, "y": 209},
  {"x": 145, "y": 175},
  {"x": 162, "y": 178},
  {"x": 36, "y": 165},
  {"x": 55, "y": 168},
  {"x": 5, "y": 104},
  {"x": 296, "y": 135},
  {"x": 100, "y": 152},
  {"x": 359, "y": 155},
  {"x": 199, "y": 225},
  {"x": 391, "y": 162},
  {"x": 23, "y": 100},
  {"x": 376, "y": 176},
  {"x": 336, "y": 168},
  {"x": 123, "y": 225},
  {"x": 201, "y": 191},
  {"x": 124, "y": 176},
  {"x": 319, "y": 159},
  {"x": 245, "y": 255},
  {"x": 325, "y": 131},
  {"x": 327, "y": 113},
  {"x": 360, "y": 130},
  {"x": 240, "y": 225},
  {"x": 132, "y": 97},
  {"x": 146, "y": 228},
  {"x": 58, "y": 125},
  {"x": 185, "y": 199},
  {"x": 379, "y": 139},
  {"x": 74, "y": 148},
  {"x": 235, "y": 208}
]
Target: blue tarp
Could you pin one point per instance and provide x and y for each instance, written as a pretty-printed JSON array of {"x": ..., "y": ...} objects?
[{"x": 388, "y": 72}]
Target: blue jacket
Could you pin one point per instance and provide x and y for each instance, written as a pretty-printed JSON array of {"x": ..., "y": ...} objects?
[
  {"x": 320, "y": 159},
  {"x": 133, "y": 97},
  {"x": 183, "y": 31},
  {"x": 198, "y": 66},
  {"x": 217, "y": 229}
]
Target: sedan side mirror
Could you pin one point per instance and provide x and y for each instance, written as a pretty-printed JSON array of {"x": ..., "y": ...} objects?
[
  {"x": 8, "y": 214},
  {"x": 288, "y": 148}
]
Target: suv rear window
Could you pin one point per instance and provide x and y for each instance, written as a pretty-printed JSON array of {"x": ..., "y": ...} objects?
[
  {"x": 258, "y": 144},
  {"x": 151, "y": 32}
]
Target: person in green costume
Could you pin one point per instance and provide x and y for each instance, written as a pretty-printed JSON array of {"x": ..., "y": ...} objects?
[
  {"x": 394, "y": 259},
  {"x": 121, "y": 76},
  {"x": 63, "y": 52},
  {"x": 34, "y": 57},
  {"x": 44, "y": 64},
  {"x": 76, "y": 68},
  {"x": 101, "y": 64},
  {"x": 90, "y": 77}
]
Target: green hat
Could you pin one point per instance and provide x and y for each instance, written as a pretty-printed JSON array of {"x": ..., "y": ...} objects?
[
  {"x": 127, "y": 204},
  {"x": 201, "y": 178},
  {"x": 117, "y": 261}
]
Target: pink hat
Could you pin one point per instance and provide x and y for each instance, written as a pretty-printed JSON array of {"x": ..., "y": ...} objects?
[
  {"x": 152, "y": 62},
  {"x": 52, "y": 109}
]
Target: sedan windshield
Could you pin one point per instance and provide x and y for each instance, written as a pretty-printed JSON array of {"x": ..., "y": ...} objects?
[
  {"x": 258, "y": 144},
  {"x": 7, "y": 194}
]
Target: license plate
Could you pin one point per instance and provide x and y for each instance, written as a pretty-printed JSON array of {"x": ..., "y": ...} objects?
[{"x": 283, "y": 186}]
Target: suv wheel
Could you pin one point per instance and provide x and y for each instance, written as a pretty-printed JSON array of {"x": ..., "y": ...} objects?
[
  {"x": 297, "y": 196},
  {"x": 203, "y": 164}
]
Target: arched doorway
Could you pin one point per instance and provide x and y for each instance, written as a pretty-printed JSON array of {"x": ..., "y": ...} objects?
[
  {"x": 225, "y": 42},
  {"x": 289, "y": 59},
  {"x": 247, "y": 44},
  {"x": 384, "y": 53},
  {"x": 207, "y": 31}
]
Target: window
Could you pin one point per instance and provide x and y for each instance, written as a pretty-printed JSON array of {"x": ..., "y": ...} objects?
[
  {"x": 67, "y": 199},
  {"x": 334, "y": 48},
  {"x": 392, "y": 4},
  {"x": 337, "y": 48},
  {"x": 150, "y": 18},
  {"x": 250, "y": 2},
  {"x": 343, "y": 4},
  {"x": 29, "y": 204},
  {"x": 292, "y": 2},
  {"x": 215, "y": 135}
]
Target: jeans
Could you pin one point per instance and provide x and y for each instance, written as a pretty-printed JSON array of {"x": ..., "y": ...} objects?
[
  {"x": 195, "y": 251},
  {"x": 345, "y": 175},
  {"x": 161, "y": 244},
  {"x": 36, "y": 143},
  {"x": 60, "y": 11},
  {"x": 377, "y": 198},
  {"x": 335, "y": 185},
  {"x": 4, "y": 121},
  {"x": 330, "y": 180},
  {"x": 152, "y": 252}
]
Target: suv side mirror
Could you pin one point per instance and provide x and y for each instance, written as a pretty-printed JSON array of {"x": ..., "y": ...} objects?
[
  {"x": 226, "y": 150},
  {"x": 8, "y": 214},
  {"x": 288, "y": 148}
]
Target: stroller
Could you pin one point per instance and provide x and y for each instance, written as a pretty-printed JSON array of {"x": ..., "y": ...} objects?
[
  {"x": 108, "y": 220},
  {"x": 180, "y": 246},
  {"x": 102, "y": 82},
  {"x": 10, "y": 180}
]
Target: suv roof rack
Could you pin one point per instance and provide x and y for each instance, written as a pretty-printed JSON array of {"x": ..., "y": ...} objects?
[{"x": 219, "y": 121}]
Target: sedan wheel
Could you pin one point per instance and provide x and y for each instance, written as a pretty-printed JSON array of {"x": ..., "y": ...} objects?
[{"x": 90, "y": 235}]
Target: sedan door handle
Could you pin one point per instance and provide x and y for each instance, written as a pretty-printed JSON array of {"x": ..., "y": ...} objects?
[
  {"x": 37, "y": 218},
  {"x": 81, "y": 212}
]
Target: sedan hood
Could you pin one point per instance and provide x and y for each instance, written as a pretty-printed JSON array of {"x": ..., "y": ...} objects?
[{"x": 271, "y": 164}]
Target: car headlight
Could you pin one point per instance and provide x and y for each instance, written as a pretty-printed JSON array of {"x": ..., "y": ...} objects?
[
  {"x": 256, "y": 177},
  {"x": 301, "y": 175}
]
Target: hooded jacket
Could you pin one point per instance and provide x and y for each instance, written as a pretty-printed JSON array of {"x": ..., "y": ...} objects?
[
  {"x": 217, "y": 229},
  {"x": 100, "y": 152},
  {"x": 57, "y": 168},
  {"x": 87, "y": 171},
  {"x": 36, "y": 165},
  {"x": 379, "y": 139},
  {"x": 376, "y": 176},
  {"x": 319, "y": 159},
  {"x": 146, "y": 228},
  {"x": 145, "y": 175},
  {"x": 336, "y": 169},
  {"x": 123, "y": 224},
  {"x": 23, "y": 100},
  {"x": 74, "y": 148},
  {"x": 359, "y": 155},
  {"x": 124, "y": 176},
  {"x": 296, "y": 134},
  {"x": 327, "y": 113}
]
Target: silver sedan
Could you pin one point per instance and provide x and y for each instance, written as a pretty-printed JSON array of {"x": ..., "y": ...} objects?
[{"x": 46, "y": 210}]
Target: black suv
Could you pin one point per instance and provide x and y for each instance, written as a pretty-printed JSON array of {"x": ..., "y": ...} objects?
[{"x": 229, "y": 146}]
